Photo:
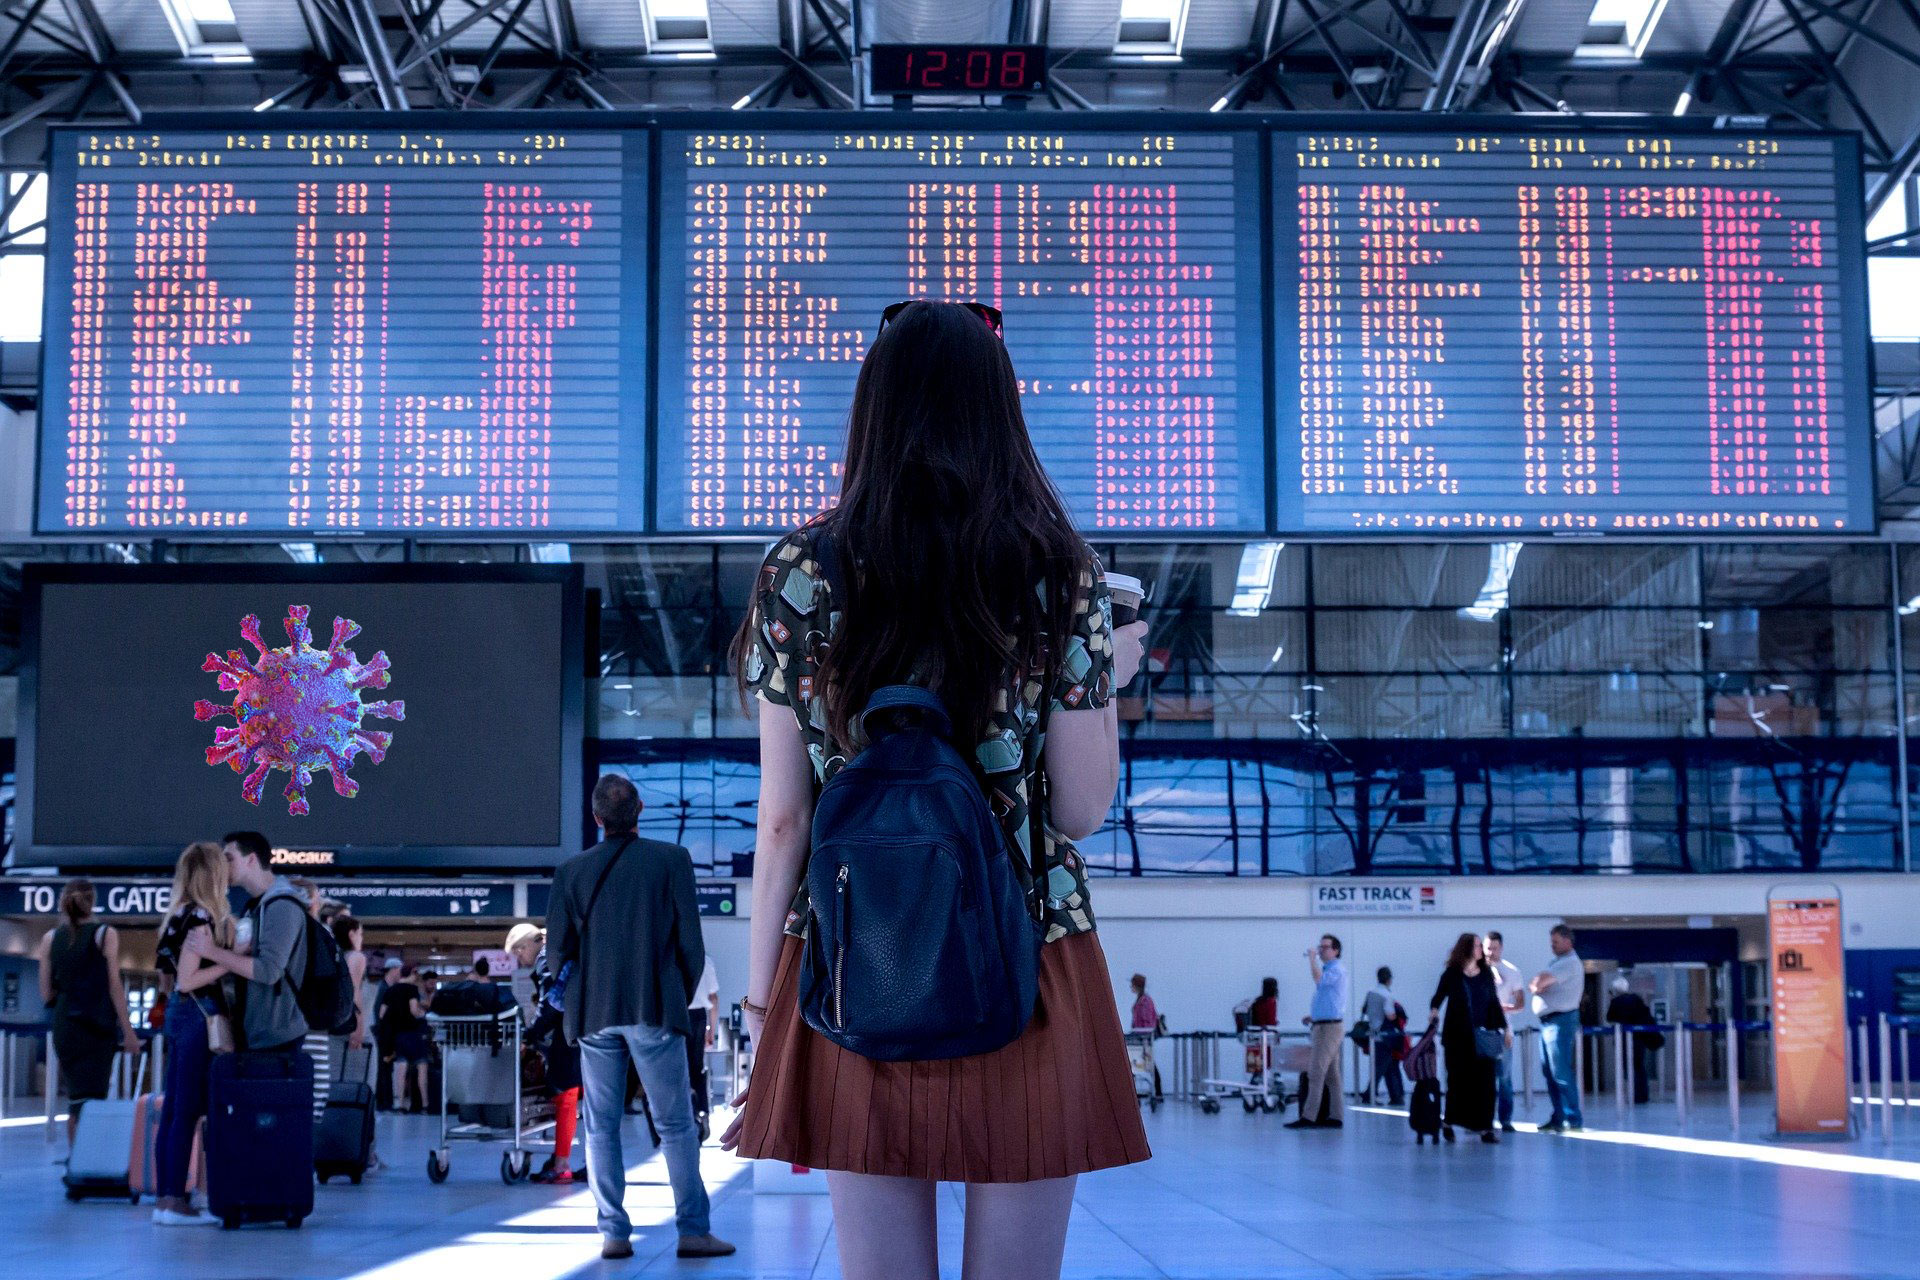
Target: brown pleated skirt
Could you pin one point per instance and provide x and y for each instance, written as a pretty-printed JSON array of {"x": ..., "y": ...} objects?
[{"x": 1057, "y": 1101}]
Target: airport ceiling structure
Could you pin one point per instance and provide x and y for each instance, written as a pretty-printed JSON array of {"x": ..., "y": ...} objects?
[{"x": 1842, "y": 63}]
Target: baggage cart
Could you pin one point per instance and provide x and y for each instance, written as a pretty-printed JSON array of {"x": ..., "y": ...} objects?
[{"x": 499, "y": 1035}]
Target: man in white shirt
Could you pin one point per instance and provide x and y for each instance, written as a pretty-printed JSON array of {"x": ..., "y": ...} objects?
[
  {"x": 1556, "y": 1002},
  {"x": 1511, "y": 990}
]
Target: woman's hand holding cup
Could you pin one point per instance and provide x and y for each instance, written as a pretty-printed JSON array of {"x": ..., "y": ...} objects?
[{"x": 1129, "y": 633}]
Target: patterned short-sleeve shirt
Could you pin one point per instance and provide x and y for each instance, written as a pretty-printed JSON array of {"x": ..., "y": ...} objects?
[{"x": 793, "y": 620}]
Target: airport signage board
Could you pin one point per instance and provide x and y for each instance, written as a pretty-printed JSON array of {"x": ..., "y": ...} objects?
[
  {"x": 714, "y": 897},
  {"x": 1376, "y": 898},
  {"x": 367, "y": 900},
  {"x": 1808, "y": 992}
]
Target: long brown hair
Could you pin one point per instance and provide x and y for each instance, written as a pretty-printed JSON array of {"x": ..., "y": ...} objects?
[
  {"x": 200, "y": 880},
  {"x": 1462, "y": 950},
  {"x": 959, "y": 559}
]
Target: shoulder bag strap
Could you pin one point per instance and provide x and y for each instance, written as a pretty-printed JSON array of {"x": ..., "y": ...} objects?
[
  {"x": 1037, "y": 796},
  {"x": 577, "y": 985}
]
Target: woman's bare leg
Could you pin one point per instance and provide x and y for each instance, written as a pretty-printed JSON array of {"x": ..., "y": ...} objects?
[
  {"x": 1017, "y": 1230},
  {"x": 885, "y": 1227}
]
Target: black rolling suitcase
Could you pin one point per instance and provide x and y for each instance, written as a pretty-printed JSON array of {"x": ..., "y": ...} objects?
[
  {"x": 1326, "y": 1101},
  {"x": 260, "y": 1138},
  {"x": 1423, "y": 1113},
  {"x": 343, "y": 1140}
]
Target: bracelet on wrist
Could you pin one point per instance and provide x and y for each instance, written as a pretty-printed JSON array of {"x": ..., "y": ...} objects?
[{"x": 759, "y": 1010}]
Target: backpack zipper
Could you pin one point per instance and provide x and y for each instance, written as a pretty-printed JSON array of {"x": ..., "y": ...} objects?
[{"x": 840, "y": 957}]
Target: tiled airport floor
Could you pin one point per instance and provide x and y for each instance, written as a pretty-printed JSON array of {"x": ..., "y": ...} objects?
[{"x": 1228, "y": 1195}]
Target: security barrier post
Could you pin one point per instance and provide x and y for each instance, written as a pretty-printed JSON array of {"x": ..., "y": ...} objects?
[
  {"x": 1733, "y": 1078},
  {"x": 1886, "y": 1080}
]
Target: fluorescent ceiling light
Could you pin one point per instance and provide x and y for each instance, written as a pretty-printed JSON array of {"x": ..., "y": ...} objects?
[
  {"x": 1683, "y": 103},
  {"x": 1894, "y": 299},
  {"x": 1219, "y": 104},
  {"x": 551, "y": 553},
  {"x": 1910, "y": 608},
  {"x": 1253, "y": 584},
  {"x": 1151, "y": 27},
  {"x": 678, "y": 25},
  {"x": 1621, "y": 28},
  {"x": 745, "y": 101},
  {"x": 301, "y": 552},
  {"x": 23, "y": 278},
  {"x": 1492, "y": 600},
  {"x": 206, "y": 29}
]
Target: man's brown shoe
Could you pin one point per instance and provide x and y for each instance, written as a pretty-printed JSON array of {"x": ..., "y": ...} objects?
[
  {"x": 708, "y": 1246},
  {"x": 616, "y": 1248}
]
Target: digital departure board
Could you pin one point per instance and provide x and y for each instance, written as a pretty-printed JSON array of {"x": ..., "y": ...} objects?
[
  {"x": 1127, "y": 265},
  {"x": 413, "y": 329},
  {"x": 554, "y": 325},
  {"x": 1595, "y": 332}
]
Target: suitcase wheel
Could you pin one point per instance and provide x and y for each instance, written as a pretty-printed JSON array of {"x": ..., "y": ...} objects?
[
  {"x": 354, "y": 1178},
  {"x": 438, "y": 1166},
  {"x": 324, "y": 1177},
  {"x": 231, "y": 1222},
  {"x": 73, "y": 1194},
  {"x": 294, "y": 1220}
]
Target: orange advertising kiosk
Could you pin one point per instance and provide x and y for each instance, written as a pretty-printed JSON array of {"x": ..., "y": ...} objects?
[{"x": 1807, "y": 992}]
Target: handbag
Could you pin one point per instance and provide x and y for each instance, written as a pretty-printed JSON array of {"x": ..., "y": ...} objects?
[
  {"x": 1488, "y": 1043},
  {"x": 219, "y": 1033}
]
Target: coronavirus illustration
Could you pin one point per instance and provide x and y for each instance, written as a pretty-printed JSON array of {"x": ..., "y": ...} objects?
[{"x": 298, "y": 709}]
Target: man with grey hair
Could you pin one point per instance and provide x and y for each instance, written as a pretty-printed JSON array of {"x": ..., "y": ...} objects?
[{"x": 624, "y": 930}]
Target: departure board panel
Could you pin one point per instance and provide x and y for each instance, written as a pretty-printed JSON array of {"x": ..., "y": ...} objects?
[
  {"x": 1543, "y": 333},
  {"x": 423, "y": 329},
  {"x": 1127, "y": 265}
]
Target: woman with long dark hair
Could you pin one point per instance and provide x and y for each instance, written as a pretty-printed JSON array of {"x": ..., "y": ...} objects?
[
  {"x": 1471, "y": 1037},
  {"x": 961, "y": 571}
]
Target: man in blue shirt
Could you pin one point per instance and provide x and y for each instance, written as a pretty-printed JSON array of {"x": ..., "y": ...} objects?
[{"x": 1326, "y": 1020}]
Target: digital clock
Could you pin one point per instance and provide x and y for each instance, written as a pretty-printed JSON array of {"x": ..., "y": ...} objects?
[{"x": 957, "y": 68}]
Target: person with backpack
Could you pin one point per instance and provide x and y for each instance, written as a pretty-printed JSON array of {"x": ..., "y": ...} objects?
[
  {"x": 625, "y": 924},
  {"x": 1386, "y": 1023},
  {"x": 936, "y": 660},
  {"x": 293, "y": 977}
]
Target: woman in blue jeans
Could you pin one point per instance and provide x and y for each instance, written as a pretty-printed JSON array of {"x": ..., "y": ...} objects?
[{"x": 199, "y": 900}]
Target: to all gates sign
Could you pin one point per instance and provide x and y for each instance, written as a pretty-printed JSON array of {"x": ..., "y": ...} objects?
[
  {"x": 1376, "y": 898},
  {"x": 1809, "y": 995},
  {"x": 111, "y": 897}
]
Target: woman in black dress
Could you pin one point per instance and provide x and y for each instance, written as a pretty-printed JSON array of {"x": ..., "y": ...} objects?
[{"x": 1473, "y": 1005}]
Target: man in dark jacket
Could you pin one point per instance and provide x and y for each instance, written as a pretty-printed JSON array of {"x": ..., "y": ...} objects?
[
  {"x": 625, "y": 915},
  {"x": 1627, "y": 1009}
]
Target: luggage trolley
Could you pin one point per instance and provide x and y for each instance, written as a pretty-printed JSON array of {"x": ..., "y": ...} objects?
[
  {"x": 498, "y": 1033},
  {"x": 1140, "y": 1059},
  {"x": 1265, "y": 1086}
]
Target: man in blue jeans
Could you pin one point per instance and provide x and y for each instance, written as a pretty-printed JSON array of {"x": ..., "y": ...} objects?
[
  {"x": 623, "y": 915},
  {"x": 1556, "y": 1001},
  {"x": 1511, "y": 990}
]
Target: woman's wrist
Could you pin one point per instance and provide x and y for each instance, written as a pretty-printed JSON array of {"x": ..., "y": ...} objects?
[{"x": 753, "y": 1006}]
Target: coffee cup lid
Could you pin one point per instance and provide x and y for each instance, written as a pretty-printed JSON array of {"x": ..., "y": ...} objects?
[{"x": 1126, "y": 582}]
